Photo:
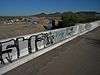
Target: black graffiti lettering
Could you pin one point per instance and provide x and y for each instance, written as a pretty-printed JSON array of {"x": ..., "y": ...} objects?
[
  {"x": 70, "y": 31},
  {"x": 6, "y": 48},
  {"x": 30, "y": 41},
  {"x": 17, "y": 46},
  {"x": 29, "y": 46},
  {"x": 9, "y": 58},
  {"x": 51, "y": 37},
  {"x": 37, "y": 39},
  {"x": 1, "y": 59},
  {"x": 48, "y": 38},
  {"x": 44, "y": 39},
  {"x": 18, "y": 40}
]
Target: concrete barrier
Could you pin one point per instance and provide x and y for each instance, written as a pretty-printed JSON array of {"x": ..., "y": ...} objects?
[{"x": 19, "y": 50}]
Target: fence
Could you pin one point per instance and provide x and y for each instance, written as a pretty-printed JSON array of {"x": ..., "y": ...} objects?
[{"x": 14, "y": 48}]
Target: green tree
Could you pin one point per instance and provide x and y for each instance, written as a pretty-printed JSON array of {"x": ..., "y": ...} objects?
[{"x": 68, "y": 19}]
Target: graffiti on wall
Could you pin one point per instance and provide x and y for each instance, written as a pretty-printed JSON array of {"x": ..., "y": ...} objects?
[
  {"x": 7, "y": 48},
  {"x": 13, "y": 49}
]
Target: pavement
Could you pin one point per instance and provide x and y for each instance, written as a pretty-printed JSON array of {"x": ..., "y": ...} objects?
[{"x": 80, "y": 56}]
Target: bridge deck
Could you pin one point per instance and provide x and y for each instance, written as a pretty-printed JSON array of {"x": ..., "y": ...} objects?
[{"x": 80, "y": 56}]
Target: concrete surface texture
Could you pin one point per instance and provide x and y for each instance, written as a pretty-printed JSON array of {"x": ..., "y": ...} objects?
[{"x": 80, "y": 56}]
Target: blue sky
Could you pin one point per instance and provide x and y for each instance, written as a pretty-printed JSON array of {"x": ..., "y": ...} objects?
[{"x": 29, "y": 7}]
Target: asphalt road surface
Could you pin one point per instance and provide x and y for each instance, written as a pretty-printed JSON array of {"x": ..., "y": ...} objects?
[{"x": 80, "y": 56}]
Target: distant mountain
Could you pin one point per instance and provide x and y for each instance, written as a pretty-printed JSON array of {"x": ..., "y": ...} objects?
[
  {"x": 41, "y": 15},
  {"x": 55, "y": 14},
  {"x": 87, "y": 13},
  {"x": 48, "y": 15},
  {"x": 58, "y": 14}
]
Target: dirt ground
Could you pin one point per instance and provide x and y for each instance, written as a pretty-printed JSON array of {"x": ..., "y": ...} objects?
[{"x": 9, "y": 31}]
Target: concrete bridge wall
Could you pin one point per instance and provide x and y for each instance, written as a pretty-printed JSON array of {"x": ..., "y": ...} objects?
[{"x": 14, "y": 51}]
